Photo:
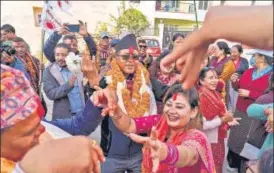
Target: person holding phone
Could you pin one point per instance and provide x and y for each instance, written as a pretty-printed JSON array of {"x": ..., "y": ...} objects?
[
  {"x": 69, "y": 39},
  {"x": 62, "y": 86}
]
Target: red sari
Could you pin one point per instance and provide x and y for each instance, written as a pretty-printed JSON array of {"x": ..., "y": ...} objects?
[
  {"x": 211, "y": 105},
  {"x": 190, "y": 138}
]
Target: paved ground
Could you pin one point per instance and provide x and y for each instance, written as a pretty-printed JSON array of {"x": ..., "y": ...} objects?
[{"x": 96, "y": 134}]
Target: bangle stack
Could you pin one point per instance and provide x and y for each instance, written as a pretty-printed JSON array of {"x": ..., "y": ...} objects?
[{"x": 172, "y": 155}]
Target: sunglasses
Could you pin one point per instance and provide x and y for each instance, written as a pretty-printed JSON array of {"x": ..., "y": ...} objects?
[
  {"x": 142, "y": 46},
  {"x": 127, "y": 56}
]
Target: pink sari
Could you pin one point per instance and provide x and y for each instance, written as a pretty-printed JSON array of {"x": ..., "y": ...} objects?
[{"x": 191, "y": 138}]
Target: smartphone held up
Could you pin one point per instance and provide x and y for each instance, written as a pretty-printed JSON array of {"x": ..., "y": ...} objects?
[{"x": 73, "y": 27}]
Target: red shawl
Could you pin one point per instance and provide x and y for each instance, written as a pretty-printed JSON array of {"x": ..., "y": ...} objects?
[
  {"x": 212, "y": 105},
  {"x": 191, "y": 137},
  {"x": 170, "y": 80}
]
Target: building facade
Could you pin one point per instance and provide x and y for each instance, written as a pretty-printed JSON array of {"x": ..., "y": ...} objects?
[{"x": 171, "y": 15}]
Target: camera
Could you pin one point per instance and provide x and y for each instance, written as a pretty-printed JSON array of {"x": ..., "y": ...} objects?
[{"x": 8, "y": 49}]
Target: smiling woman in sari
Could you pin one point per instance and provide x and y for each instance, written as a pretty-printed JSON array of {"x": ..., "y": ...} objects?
[
  {"x": 175, "y": 144},
  {"x": 216, "y": 119}
]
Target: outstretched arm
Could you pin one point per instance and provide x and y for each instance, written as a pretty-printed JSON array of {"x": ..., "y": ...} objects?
[
  {"x": 237, "y": 24},
  {"x": 50, "y": 46},
  {"x": 246, "y": 22},
  {"x": 123, "y": 122},
  {"x": 84, "y": 123}
]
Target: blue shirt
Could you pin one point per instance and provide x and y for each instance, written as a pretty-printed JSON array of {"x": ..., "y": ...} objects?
[
  {"x": 74, "y": 95},
  {"x": 256, "y": 74},
  {"x": 17, "y": 64}
]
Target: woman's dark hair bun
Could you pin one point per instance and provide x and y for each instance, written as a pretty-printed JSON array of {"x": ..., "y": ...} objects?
[{"x": 223, "y": 46}]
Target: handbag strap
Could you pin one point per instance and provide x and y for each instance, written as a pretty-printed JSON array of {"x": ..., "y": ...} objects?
[{"x": 250, "y": 128}]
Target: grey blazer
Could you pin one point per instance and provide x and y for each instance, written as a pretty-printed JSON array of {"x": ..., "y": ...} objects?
[{"x": 57, "y": 90}]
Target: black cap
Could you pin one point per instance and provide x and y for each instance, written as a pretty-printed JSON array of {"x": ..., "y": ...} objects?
[{"x": 126, "y": 42}]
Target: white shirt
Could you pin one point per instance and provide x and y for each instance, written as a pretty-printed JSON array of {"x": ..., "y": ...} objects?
[{"x": 211, "y": 128}]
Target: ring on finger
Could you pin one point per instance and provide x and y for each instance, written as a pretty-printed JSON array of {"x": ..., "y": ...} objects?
[{"x": 93, "y": 143}]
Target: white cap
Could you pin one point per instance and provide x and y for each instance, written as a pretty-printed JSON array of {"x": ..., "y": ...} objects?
[{"x": 262, "y": 52}]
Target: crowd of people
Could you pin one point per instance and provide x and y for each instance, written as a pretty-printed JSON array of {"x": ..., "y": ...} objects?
[{"x": 163, "y": 114}]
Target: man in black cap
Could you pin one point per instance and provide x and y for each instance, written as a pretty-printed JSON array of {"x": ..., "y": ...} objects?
[{"x": 131, "y": 80}]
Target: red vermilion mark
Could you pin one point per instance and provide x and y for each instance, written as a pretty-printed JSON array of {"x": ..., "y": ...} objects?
[
  {"x": 131, "y": 50},
  {"x": 174, "y": 96}
]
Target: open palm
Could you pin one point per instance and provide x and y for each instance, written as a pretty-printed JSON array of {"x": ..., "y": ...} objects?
[
  {"x": 89, "y": 69},
  {"x": 188, "y": 57},
  {"x": 153, "y": 143}
]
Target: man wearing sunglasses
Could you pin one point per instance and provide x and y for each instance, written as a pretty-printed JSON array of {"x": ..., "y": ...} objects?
[
  {"x": 144, "y": 57},
  {"x": 131, "y": 80}
]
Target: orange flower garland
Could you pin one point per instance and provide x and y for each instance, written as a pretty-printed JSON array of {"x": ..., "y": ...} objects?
[
  {"x": 136, "y": 104},
  {"x": 7, "y": 166}
]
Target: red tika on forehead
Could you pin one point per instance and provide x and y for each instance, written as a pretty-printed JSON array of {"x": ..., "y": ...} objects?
[
  {"x": 131, "y": 50},
  {"x": 174, "y": 97}
]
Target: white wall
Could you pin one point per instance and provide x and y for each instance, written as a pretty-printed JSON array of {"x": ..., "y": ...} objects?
[{"x": 148, "y": 9}]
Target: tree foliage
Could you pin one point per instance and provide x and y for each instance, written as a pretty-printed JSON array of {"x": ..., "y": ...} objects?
[
  {"x": 101, "y": 27},
  {"x": 131, "y": 20}
]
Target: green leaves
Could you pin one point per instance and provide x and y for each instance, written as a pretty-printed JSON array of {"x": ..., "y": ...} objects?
[
  {"x": 133, "y": 20},
  {"x": 129, "y": 19},
  {"x": 101, "y": 27}
]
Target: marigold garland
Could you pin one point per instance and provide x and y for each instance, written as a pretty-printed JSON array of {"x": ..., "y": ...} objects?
[
  {"x": 141, "y": 103},
  {"x": 7, "y": 165}
]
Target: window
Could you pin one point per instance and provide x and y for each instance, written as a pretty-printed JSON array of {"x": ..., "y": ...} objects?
[
  {"x": 203, "y": 5},
  {"x": 172, "y": 4},
  {"x": 39, "y": 18},
  {"x": 191, "y": 8},
  {"x": 152, "y": 43}
]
